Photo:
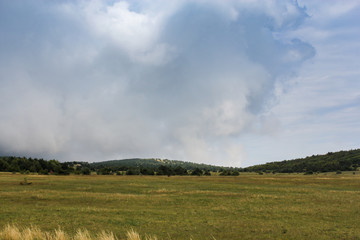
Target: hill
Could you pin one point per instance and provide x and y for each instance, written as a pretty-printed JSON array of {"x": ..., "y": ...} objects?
[
  {"x": 134, "y": 166},
  {"x": 125, "y": 164},
  {"x": 330, "y": 162}
]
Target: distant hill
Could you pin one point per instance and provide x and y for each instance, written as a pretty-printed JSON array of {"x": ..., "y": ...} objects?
[
  {"x": 332, "y": 161},
  {"x": 134, "y": 166},
  {"x": 154, "y": 163}
]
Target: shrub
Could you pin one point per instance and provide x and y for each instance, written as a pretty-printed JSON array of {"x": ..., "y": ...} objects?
[
  {"x": 132, "y": 172},
  {"x": 225, "y": 173},
  {"x": 44, "y": 172},
  {"x": 25, "y": 182},
  {"x": 207, "y": 173},
  {"x": 147, "y": 171},
  {"x": 180, "y": 171},
  {"x": 85, "y": 171},
  {"x": 197, "y": 172},
  {"x": 104, "y": 171}
]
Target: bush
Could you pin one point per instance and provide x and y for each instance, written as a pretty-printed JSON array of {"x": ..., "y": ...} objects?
[
  {"x": 165, "y": 170},
  {"x": 147, "y": 171},
  {"x": 132, "y": 172},
  {"x": 197, "y": 172},
  {"x": 85, "y": 171},
  {"x": 44, "y": 172},
  {"x": 207, "y": 173},
  {"x": 180, "y": 171},
  {"x": 104, "y": 171},
  {"x": 225, "y": 173}
]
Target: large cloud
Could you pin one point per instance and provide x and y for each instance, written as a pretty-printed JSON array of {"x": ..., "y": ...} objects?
[{"x": 182, "y": 80}]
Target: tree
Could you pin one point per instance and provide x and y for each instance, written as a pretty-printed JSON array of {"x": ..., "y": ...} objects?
[
  {"x": 180, "y": 171},
  {"x": 147, "y": 171},
  {"x": 132, "y": 172},
  {"x": 225, "y": 173},
  {"x": 165, "y": 170},
  {"x": 4, "y": 166},
  {"x": 14, "y": 167},
  {"x": 104, "y": 171},
  {"x": 197, "y": 172},
  {"x": 85, "y": 171}
]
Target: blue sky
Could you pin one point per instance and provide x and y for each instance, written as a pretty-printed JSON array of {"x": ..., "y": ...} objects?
[{"x": 232, "y": 83}]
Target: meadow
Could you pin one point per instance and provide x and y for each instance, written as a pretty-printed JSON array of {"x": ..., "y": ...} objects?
[{"x": 249, "y": 206}]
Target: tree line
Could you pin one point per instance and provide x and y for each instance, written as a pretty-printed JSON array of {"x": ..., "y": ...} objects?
[
  {"x": 330, "y": 162},
  {"x": 40, "y": 166},
  {"x": 155, "y": 163},
  {"x": 34, "y": 165}
]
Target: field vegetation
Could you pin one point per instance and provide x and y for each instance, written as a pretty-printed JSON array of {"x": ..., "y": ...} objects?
[{"x": 248, "y": 206}]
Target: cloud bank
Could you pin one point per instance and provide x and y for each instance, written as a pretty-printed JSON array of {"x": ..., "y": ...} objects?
[{"x": 94, "y": 80}]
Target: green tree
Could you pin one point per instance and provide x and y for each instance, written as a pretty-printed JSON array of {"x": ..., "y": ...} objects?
[
  {"x": 197, "y": 172},
  {"x": 85, "y": 171},
  {"x": 180, "y": 171},
  {"x": 4, "y": 166}
]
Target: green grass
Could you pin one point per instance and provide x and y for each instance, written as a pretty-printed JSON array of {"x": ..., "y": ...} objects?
[{"x": 268, "y": 206}]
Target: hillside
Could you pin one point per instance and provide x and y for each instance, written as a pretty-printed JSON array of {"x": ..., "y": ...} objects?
[
  {"x": 134, "y": 166},
  {"x": 153, "y": 163},
  {"x": 332, "y": 161}
]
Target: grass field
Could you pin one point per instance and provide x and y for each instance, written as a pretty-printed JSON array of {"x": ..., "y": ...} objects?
[{"x": 270, "y": 206}]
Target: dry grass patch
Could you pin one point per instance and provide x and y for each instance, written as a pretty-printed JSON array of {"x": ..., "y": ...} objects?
[
  {"x": 162, "y": 190},
  {"x": 11, "y": 232}
]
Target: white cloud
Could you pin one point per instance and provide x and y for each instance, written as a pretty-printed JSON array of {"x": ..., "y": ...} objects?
[
  {"x": 320, "y": 112},
  {"x": 135, "y": 33},
  {"x": 181, "y": 80}
]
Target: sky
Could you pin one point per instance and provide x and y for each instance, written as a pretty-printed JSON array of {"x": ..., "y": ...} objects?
[{"x": 230, "y": 83}]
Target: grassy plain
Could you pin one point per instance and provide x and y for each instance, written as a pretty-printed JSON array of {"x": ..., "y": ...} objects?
[{"x": 270, "y": 206}]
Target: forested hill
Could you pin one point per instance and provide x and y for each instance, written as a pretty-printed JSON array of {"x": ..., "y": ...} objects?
[
  {"x": 135, "y": 166},
  {"x": 153, "y": 163},
  {"x": 332, "y": 161}
]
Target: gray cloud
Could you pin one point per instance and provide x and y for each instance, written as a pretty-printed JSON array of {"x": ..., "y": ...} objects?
[{"x": 89, "y": 81}]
